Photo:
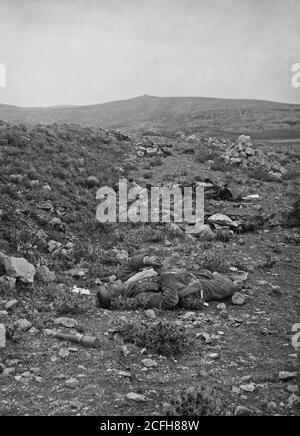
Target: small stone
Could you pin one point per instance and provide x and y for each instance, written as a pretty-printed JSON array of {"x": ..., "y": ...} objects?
[
  {"x": 287, "y": 376},
  {"x": 54, "y": 245},
  {"x": 205, "y": 336},
  {"x": 214, "y": 356},
  {"x": 48, "y": 332},
  {"x": 272, "y": 406},
  {"x": 293, "y": 399},
  {"x": 136, "y": 397},
  {"x": 8, "y": 371},
  {"x": 221, "y": 306},
  {"x": 64, "y": 353},
  {"x": 276, "y": 290},
  {"x": 248, "y": 388},
  {"x": 238, "y": 299},
  {"x": 188, "y": 316},
  {"x": 293, "y": 389},
  {"x": 66, "y": 322},
  {"x": 92, "y": 181},
  {"x": 10, "y": 305},
  {"x": 72, "y": 383},
  {"x": 246, "y": 379},
  {"x": 76, "y": 404},
  {"x": 236, "y": 390},
  {"x": 149, "y": 363},
  {"x": 23, "y": 325},
  {"x": 242, "y": 411},
  {"x": 150, "y": 313}
]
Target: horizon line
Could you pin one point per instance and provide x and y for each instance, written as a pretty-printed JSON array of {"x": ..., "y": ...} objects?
[{"x": 70, "y": 106}]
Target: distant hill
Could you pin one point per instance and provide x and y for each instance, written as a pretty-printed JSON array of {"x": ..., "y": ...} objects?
[{"x": 172, "y": 115}]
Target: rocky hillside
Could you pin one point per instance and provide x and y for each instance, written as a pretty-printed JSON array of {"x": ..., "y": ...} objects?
[{"x": 234, "y": 357}]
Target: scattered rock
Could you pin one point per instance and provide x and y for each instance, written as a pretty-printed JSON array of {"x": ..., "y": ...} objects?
[
  {"x": 150, "y": 313},
  {"x": 214, "y": 356},
  {"x": 42, "y": 235},
  {"x": 46, "y": 205},
  {"x": 221, "y": 306},
  {"x": 271, "y": 407},
  {"x": 54, "y": 245},
  {"x": 92, "y": 181},
  {"x": 188, "y": 316},
  {"x": 248, "y": 388},
  {"x": 205, "y": 336},
  {"x": 136, "y": 397},
  {"x": 293, "y": 389},
  {"x": 16, "y": 178},
  {"x": 72, "y": 383},
  {"x": 23, "y": 324},
  {"x": 222, "y": 220},
  {"x": 19, "y": 268},
  {"x": 10, "y": 305},
  {"x": 293, "y": 400},
  {"x": 8, "y": 371},
  {"x": 243, "y": 411},
  {"x": 239, "y": 299},
  {"x": 276, "y": 290},
  {"x": 287, "y": 376},
  {"x": 44, "y": 275},
  {"x": 57, "y": 223},
  {"x": 149, "y": 363},
  {"x": 66, "y": 322},
  {"x": 203, "y": 232},
  {"x": 63, "y": 353}
]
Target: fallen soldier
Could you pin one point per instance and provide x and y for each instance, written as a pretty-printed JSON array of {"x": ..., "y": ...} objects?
[{"x": 143, "y": 278}]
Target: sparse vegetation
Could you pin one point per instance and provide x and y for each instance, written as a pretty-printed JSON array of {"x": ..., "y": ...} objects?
[
  {"x": 202, "y": 400},
  {"x": 162, "y": 338}
]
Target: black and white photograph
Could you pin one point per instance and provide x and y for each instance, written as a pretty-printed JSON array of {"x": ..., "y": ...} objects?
[{"x": 149, "y": 211}]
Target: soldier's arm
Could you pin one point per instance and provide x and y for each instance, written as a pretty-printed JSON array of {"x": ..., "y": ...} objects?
[{"x": 131, "y": 267}]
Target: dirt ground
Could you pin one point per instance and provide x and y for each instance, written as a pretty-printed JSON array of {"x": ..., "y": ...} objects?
[{"x": 250, "y": 344}]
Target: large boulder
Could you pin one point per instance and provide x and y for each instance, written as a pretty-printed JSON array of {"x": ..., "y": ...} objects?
[{"x": 20, "y": 269}]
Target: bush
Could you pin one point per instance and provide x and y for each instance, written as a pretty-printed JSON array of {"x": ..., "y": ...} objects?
[
  {"x": 201, "y": 401},
  {"x": 213, "y": 261},
  {"x": 162, "y": 338},
  {"x": 205, "y": 153},
  {"x": 67, "y": 302},
  {"x": 220, "y": 165},
  {"x": 260, "y": 174}
]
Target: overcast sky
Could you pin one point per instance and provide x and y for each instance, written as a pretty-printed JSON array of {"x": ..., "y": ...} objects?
[{"x": 91, "y": 51}]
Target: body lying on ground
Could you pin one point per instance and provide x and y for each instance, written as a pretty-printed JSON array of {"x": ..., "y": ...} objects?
[{"x": 144, "y": 279}]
